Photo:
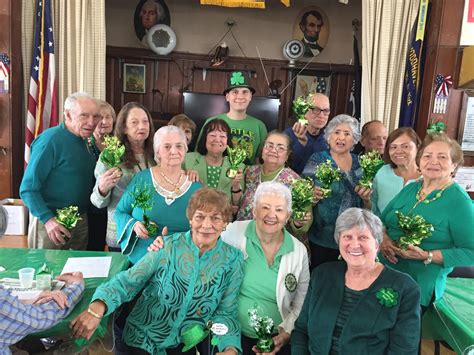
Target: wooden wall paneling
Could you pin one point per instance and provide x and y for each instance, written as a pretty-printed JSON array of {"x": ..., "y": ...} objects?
[
  {"x": 175, "y": 84},
  {"x": 451, "y": 23},
  {"x": 148, "y": 97},
  {"x": 218, "y": 81},
  {"x": 200, "y": 84},
  {"x": 161, "y": 86}
]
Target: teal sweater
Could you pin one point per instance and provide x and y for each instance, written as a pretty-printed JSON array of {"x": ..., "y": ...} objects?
[
  {"x": 453, "y": 220},
  {"x": 371, "y": 328},
  {"x": 60, "y": 173},
  {"x": 180, "y": 289}
]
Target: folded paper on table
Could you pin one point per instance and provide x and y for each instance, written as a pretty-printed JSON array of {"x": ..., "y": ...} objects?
[{"x": 89, "y": 266}]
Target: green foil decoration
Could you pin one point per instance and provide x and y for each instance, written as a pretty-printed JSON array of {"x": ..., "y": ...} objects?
[
  {"x": 302, "y": 197},
  {"x": 237, "y": 156},
  {"x": 263, "y": 327},
  {"x": 436, "y": 128},
  {"x": 387, "y": 297},
  {"x": 370, "y": 163},
  {"x": 300, "y": 107},
  {"x": 68, "y": 216},
  {"x": 113, "y": 152},
  {"x": 327, "y": 174},
  {"x": 44, "y": 270},
  {"x": 142, "y": 195},
  {"x": 415, "y": 229}
]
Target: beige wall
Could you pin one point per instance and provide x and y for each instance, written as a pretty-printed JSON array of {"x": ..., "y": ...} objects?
[{"x": 199, "y": 27}]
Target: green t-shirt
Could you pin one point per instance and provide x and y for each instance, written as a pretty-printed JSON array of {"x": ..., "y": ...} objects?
[
  {"x": 250, "y": 127},
  {"x": 260, "y": 280}
]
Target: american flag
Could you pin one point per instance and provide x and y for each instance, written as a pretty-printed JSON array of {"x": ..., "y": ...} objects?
[{"x": 42, "y": 98}]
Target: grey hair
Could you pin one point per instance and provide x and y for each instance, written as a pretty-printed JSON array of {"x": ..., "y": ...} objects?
[
  {"x": 71, "y": 100},
  {"x": 163, "y": 131},
  {"x": 273, "y": 188},
  {"x": 358, "y": 217},
  {"x": 340, "y": 119}
]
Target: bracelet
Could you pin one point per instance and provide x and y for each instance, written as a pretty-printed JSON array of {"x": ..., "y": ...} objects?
[
  {"x": 236, "y": 192},
  {"x": 93, "y": 314},
  {"x": 429, "y": 259}
]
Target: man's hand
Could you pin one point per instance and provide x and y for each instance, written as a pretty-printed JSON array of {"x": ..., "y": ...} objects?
[
  {"x": 300, "y": 131},
  {"x": 71, "y": 278},
  {"x": 158, "y": 243},
  {"x": 56, "y": 232},
  {"x": 57, "y": 296}
]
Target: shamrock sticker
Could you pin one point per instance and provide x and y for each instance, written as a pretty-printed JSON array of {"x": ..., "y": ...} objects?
[
  {"x": 237, "y": 78},
  {"x": 387, "y": 297}
]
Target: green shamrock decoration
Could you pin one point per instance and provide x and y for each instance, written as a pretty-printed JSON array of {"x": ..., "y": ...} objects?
[
  {"x": 387, "y": 297},
  {"x": 237, "y": 78},
  {"x": 436, "y": 128},
  {"x": 214, "y": 341}
]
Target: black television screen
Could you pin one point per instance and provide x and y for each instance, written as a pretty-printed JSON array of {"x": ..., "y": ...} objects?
[{"x": 200, "y": 106}]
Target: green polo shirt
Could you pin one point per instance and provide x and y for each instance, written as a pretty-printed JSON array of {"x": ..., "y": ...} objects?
[{"x": 260, "y": 280}]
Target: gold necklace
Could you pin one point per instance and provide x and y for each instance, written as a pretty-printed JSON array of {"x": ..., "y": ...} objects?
[
  {"x": 421, "y": 197},
  {"x": 176, "y": 185}
]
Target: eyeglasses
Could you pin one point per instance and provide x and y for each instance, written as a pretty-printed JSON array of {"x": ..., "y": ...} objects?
[
  {"x": 280, "y": 148},
  {"x": 317, "y": 110}
]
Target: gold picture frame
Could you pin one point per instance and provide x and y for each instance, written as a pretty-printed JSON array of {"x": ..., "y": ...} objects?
[{"x": 134, "y": 78}]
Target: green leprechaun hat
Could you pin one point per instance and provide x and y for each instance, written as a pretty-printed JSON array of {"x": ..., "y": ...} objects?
[
  {"x": 239, "y": 79},
  {"x": 193, "y": 335}
]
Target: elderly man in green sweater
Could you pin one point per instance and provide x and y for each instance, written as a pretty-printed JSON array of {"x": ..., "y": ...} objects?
[{"x": 60, "y": 173}]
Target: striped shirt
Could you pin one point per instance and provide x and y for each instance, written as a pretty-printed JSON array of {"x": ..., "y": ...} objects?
[
  {"x": 17, "y": 320},
  {"x": 351, "y": 297}
]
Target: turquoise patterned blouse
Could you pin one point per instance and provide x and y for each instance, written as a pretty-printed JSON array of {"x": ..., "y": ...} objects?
[{"x": 180, "y": 289}]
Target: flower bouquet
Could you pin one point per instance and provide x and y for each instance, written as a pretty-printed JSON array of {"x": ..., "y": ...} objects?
[
  {"x": 113, "y": 152},
  {"x": 300, "y": 106},
  {"x": 68, "y": 216},
  {"x": 415, "y": 229},
  {"x": 263, "y": 327},
  {"x": 237, "y": 156},
  {"x": 143, "y": 198},
  {"x": 327, "y": 174},
  {"x": 302, "y": 197},
  {"x": 370, "y": 163}
]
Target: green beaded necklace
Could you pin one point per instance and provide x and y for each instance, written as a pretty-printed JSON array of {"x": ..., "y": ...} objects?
[{"x": 420, "y": 199}]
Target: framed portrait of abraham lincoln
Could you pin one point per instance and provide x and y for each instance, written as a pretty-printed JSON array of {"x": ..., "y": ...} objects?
[{"x": 312, "y": 28}]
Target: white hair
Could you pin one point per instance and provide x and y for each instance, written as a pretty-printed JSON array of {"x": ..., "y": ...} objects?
[
  {"x": 71, "y": 101},
  {"x": 163, "y": 131},
  {"x": 340, "y": 119},
  {"x": 273, "y": 188},
  {"x": 358, "y": 217}
]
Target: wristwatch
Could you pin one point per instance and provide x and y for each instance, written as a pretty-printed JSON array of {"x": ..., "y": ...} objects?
[{"x": 429, "y": 259}]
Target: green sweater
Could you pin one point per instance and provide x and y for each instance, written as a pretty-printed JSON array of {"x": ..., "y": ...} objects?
[
  {"x": 197, "y": 162},
  {"x": 60, "y": 173},
  {"x": 249, "y": 126},
  {"x": 371, "y": 328},
  {"x": 452, "y": 218}
]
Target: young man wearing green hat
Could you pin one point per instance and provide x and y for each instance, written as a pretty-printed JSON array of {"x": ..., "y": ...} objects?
[{"x": 246, "y": 131}]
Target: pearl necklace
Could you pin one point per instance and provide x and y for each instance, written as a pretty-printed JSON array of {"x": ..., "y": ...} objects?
[{"x": 176, "y": 185}]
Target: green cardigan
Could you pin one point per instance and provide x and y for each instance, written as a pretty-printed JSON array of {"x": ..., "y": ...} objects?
[
  {"x": 197, "y": 162},
  {"x": 453, "y": 222},
  {"x": 371, "y": 328}
]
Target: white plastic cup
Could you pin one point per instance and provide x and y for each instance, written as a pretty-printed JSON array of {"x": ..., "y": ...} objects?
[
  {"x": 26, "y": 276},
  {"x": 43, "y": 282}
]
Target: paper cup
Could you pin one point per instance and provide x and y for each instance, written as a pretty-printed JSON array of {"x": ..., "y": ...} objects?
[{"x": 26, "y": 276}]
